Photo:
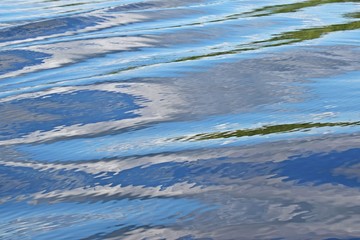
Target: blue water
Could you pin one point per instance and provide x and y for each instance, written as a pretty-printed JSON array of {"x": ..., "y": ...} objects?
[{"x": 154, "y": 119}]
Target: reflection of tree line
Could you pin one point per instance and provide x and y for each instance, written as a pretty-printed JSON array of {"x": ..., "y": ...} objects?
[
  {"x": 284, "y": 39},
  {"x": 276, "y": 9},
  {"x": 353, "y": 15},
  {"x": 265, "y": 130},
  {"x": 310, "y": 33},
  {"x": 278, "y": 39},
  {"x": 292, "y": 7}
]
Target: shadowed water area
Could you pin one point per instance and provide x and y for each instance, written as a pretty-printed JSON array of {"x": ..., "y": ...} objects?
[{"x": 191, "y": 119}]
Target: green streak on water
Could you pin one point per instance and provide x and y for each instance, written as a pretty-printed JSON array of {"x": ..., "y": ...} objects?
[
  {"x": 285, "y": 38},
  {"x": 292, "y": 7},
  {"x": 353, "y": 15},
  {"x": 316, "y": 32},
  {"x": 265, "y": 130}
]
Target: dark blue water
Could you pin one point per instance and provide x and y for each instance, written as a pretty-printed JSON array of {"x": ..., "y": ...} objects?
[{"x": 207, "y": 119}]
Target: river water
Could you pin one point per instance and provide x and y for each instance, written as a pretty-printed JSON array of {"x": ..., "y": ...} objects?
[{"x": 179, "y": 119}]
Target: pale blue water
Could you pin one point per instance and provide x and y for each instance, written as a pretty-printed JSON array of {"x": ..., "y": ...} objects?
[{"x": 208, "y": 119}]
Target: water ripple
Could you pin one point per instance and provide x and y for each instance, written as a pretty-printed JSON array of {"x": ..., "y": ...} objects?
[{"x": 211, "y": 119}]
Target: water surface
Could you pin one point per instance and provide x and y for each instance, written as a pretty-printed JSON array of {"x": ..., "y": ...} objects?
[{"x": 207, "y": 119}]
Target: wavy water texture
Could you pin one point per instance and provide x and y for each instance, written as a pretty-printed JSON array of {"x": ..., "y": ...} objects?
[{"x": 154, "y": 119}]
